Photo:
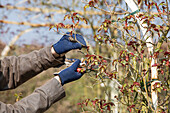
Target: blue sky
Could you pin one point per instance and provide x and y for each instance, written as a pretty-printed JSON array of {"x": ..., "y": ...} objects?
[{"x": 38, "y": 35}]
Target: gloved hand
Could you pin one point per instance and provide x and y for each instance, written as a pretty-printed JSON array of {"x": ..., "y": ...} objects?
[
  {"x": 65, "y": 45},
  {"x": 70, "y": 74}
]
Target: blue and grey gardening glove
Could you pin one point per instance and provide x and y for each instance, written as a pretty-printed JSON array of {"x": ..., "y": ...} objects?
[
  {"x": 70, "y": 74},
  {"x": 67, "y": 43}
]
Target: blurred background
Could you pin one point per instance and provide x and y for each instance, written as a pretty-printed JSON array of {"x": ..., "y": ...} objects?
[{"x": 25, "y": 28}]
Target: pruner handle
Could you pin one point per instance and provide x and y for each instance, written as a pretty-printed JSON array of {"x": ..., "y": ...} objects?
[{"x": 69, "y": 62}]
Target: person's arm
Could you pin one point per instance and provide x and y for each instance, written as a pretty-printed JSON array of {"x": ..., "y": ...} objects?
[
  {"x": 16, "y": 70},
  {"x": 39, "y": 101},
  {"x": 42, "y": 98}
]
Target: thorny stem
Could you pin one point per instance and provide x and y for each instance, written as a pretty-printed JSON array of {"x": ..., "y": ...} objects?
[
  {"x": 102, "y": 80},
  {"x": 167, "y": 11},
  {"x": 108, "y": 6},
  {"x": 147, "y": 94},
  {"x": 106, "y": 58}
]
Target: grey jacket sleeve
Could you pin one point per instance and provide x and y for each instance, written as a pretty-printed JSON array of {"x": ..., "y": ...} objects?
[
  {"x": 16, "y": 70},
  {"x": 39, "y": 101}
]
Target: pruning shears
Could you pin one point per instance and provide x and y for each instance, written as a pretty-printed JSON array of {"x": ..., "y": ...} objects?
[{"x": 68, "y": 62}]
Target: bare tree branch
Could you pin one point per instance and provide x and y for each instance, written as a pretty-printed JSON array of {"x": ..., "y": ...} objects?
[
  {"x": 47, "y": 10},
  {"x": 64, "y": 10},
  {"x": 41, "y": 24}
]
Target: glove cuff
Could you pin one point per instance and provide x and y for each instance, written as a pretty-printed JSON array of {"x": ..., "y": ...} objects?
[
  {"x": 56, "y": 49},
  {"x": 62, "y": 80}
]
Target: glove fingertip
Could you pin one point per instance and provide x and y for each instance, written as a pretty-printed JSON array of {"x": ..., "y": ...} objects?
[
  {"x": 79, "y": 74},
  {"x": 78, "y": 61},
  {"x": 76, "y": 64},
  {"x": 78, "y": 46},
  {"x": 68, "y": 33}
]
